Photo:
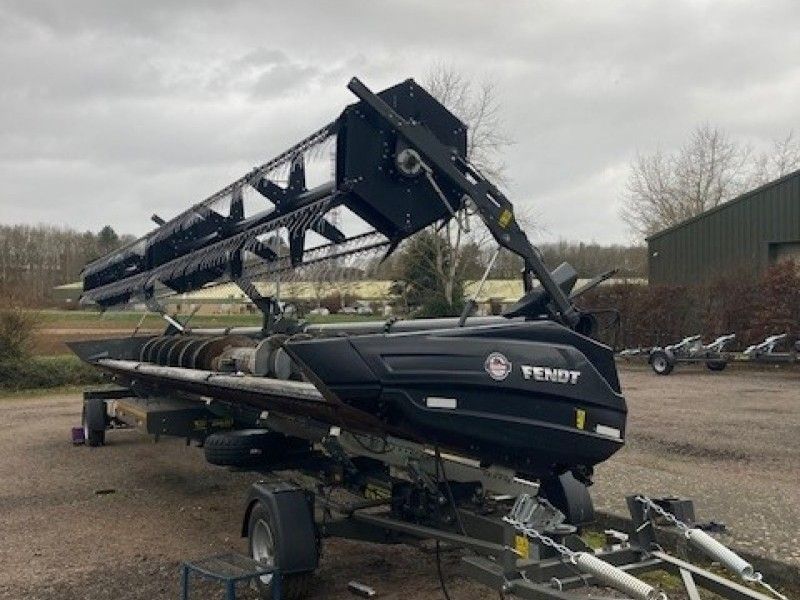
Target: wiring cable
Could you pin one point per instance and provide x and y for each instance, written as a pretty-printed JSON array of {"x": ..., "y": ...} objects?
[
  {"x": 439, "y": 571},
  {"x": 451, "y": 499}
]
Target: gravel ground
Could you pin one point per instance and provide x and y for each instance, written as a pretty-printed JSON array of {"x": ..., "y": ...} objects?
[
  {"x": 60, "y": 539},
  {"x": 728, "y": 440}
]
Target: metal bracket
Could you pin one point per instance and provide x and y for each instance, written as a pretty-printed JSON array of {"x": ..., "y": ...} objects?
[
  {"x": 154, "y": 305},
  {"x": 493, "y": 207}
]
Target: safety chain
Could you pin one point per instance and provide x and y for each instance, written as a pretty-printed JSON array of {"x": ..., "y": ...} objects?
[
  {"x": 526, "y": 513},
  {"x": 521, "y": 513},
  {"x": 756, "y": 577},
  {"x": 668, "y": 516},
  {"x": 545, "y": 540}
]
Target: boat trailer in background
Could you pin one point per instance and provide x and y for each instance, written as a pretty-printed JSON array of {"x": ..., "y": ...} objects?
[
  {"x": 691, "y": 350},
  {"x": 714, "y": 355},
  {"x": 767, "y": 351}
]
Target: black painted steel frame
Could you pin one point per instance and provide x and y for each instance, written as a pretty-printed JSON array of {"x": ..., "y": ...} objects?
[{"x": 201, "y": 245}]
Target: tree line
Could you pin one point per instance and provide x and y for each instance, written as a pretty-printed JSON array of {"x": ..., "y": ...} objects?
[
  {"x": 429, "y": 276},
  {"x": 36, "y": 258},
  {"x": 665, "y": 188}
]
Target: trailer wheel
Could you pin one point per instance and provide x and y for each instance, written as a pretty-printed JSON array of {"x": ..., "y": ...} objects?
[
  {"x": 716, "y": 365},
  {"x": 250, "y": 447},
  {"x": 94, "y": 421},
  {"x": 264, "y": 541},
  {"x": 661, "y": 363}
]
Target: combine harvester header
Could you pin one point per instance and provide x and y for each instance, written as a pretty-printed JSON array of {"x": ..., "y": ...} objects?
[{"x": 482, "y": 433}]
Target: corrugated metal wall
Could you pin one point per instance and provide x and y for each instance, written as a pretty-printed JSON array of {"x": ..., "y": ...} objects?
[{"x": 733, "y": 238}]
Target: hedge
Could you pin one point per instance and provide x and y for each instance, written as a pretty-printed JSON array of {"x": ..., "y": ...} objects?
[{"x": 659, "y": 315}]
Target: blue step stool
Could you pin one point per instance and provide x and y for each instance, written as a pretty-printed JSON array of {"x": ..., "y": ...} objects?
[{"x": 229, "y": 569}]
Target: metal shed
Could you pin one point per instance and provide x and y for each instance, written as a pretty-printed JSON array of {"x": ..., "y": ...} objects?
[{"x": 741, "y": 237}]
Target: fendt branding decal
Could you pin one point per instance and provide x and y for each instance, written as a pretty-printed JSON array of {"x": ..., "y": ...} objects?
[
  {"x": 550, "y": 374},
  {"x": 497, "y": 366}
]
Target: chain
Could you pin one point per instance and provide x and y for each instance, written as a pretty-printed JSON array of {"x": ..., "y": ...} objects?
[
  {"x": 756, "y": 577},
  {"x": 669, "y": 517},
  {"x": 543, "y": 539}
]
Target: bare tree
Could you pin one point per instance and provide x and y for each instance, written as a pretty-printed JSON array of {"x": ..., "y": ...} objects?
[
  {"x": 782, "y": 158},
  {"x": 652, "y": 200},
  {"x": 665, "y": 189},
  {"x": 710, "y": 169},
  {"x": 35, "y": 258},
  {"x": 477, "y": 106}
]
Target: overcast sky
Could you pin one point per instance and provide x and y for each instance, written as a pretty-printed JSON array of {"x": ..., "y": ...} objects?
[{"x": 110, "y": 111}]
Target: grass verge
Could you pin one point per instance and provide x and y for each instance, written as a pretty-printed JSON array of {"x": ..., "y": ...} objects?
[{"x": 38, "y": 372}]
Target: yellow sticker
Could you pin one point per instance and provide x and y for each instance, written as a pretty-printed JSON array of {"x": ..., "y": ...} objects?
[
  {"x": 505, "y": 218},
  {"x": 580, "y": 418},
  {"x": 522, "y": 546},
  {"x": 374, "y": 492}
]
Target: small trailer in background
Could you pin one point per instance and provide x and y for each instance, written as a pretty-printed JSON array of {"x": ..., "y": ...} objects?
[
  {"x": 766, "y": 351},
  {"x": 689, "y": 350},
  {"x": 692, "y": 350}
]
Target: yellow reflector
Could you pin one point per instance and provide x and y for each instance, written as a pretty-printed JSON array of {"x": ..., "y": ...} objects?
[
  {"x": 522, "y": 546},
  {"x": 580, "y": 418}
]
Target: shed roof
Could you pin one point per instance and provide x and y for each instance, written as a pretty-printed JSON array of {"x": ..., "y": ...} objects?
[{"x": 724, "y": 205}]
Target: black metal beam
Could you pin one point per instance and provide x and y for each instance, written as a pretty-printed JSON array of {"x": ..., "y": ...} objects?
[
  {"x": 423, "y": 532},
  {"x": 493, "y": 207}
]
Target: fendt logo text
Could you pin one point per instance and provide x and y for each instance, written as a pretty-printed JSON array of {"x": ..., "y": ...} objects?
[{"x": 550, "y": 374}]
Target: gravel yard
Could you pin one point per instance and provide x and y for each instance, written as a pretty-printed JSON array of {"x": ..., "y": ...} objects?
[{"x": 730, "y": 441}]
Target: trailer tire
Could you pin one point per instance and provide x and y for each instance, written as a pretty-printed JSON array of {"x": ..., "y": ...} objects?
[
  {"x": 716, "y": 365},
  {"x": 263, "y": 542},
  {"x": 94, "y": 420},
  {"x": 246, "y": 447},
  {"x": 661, "y": 363}
]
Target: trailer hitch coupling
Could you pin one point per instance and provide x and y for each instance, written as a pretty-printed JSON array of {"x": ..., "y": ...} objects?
[{"x": 522, "y": 518}]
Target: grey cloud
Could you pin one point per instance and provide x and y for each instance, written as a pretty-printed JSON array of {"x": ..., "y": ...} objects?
[{"x": 111, "y": 111}]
